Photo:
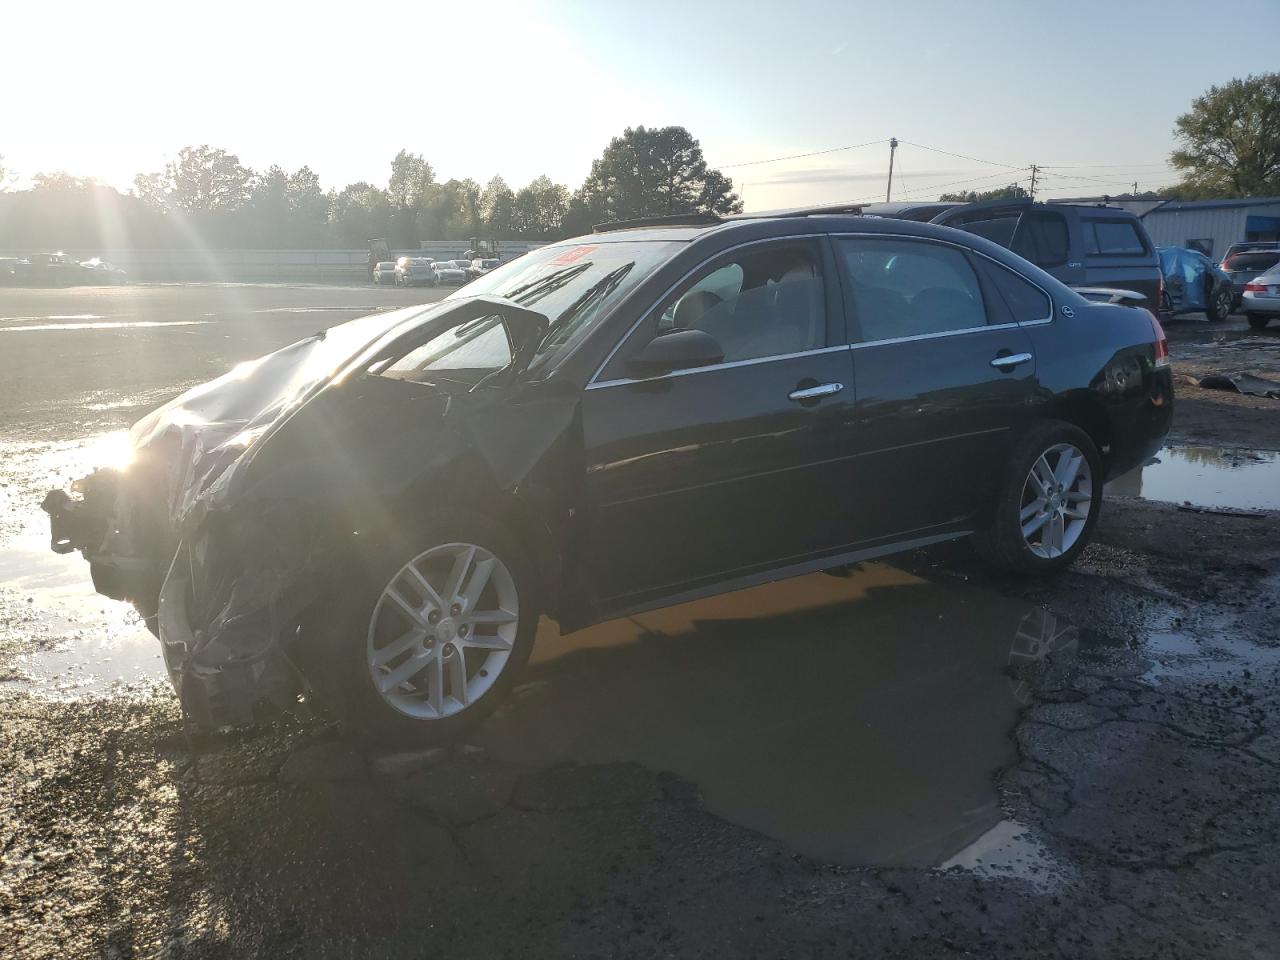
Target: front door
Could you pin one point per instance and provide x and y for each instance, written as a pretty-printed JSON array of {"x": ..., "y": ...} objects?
[
  {"x": 715, "y": 473},
  {"x": 941, "y": 389}
]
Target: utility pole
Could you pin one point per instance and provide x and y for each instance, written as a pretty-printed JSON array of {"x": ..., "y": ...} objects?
[
  {"x": 888, "y": 191},
  {"x": 1034, "y": 170},
  {"x": 1135, "y": 188}
]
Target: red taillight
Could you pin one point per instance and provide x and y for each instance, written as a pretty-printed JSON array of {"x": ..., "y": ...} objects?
[
  {"x": 1256, "y": 287},
  {"x": 1162, "y": 344}
]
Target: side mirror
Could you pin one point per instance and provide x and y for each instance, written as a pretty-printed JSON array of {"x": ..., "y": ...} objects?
[{"x": 677, "y": 350}]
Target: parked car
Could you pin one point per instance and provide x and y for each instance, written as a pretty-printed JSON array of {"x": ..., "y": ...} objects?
[
  {"x": 1080, "y": 245},
  {"x": 384, "y": 272},
  {"x": 1192, "y": 283},
  {"x": 100, "y": 271},
  {"x": 53, "y": 269},
  {"x": 614, "y": 423},
  {"x": 478, "y": 268},
  {"x": 13, "y": 270},
  {"x": 415, "y": 271},
  {"x": 1244, "y": 262},
  {"x": 448, "y": 274},
  {"x": 1260, "y": 299}
]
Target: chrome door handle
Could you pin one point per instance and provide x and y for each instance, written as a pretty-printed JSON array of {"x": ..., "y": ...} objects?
[
  {"x": 1011, "y": 361},
  {"x": 813, "y": 393}
]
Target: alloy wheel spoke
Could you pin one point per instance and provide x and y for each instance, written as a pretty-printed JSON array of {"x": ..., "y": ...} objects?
[
  {"x": 483, "y": 642},
  {"x": 425, "y": 586},
  {"x": 498, "y": 616},
  {"x": 1035, "y": 523},
  {"x": 1068, "y": 468},
  {"x": 1055, "y": 532},
  {"x": 479, "y": 580},
  {"x": 409, "y": 668},
  {"x": 456, "y": 667},
  {"x": 1032, "y": 508},
  {"x": 435, "y": 685},
  {"x": 384, "y": 655},
  {"x": 458, "y": 575},
  {"x": 409, "y": 610},
  {"x": 1077, "y": 496}
]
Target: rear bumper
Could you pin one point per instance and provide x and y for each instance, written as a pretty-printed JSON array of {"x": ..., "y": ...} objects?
[{"x": 1268, "y": 305}]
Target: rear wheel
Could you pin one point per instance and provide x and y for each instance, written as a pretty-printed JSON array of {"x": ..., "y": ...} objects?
[
  {"x": 1219, "y": 306},
  {"x": 1048, "y": 501},
  {"x": 1257, "y": 321},
  {"x": 436, "y": 633}
]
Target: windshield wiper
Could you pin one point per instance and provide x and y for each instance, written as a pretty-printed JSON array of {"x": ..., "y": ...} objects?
[
  {"x": 590, "y": 298},
  {"x": 534, "y": 289}
]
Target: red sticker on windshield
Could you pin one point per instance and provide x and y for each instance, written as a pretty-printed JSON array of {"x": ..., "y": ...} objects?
[{"x": 572, "y": 255}]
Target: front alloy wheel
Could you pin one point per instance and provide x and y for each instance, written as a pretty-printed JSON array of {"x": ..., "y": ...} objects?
[{"x": 442, "y": 631}]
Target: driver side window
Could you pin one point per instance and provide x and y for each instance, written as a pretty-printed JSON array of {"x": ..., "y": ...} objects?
[{"x": 756, "y": 304}]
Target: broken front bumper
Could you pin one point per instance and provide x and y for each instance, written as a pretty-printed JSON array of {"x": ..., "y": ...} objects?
[{"x": 225, "y": 607}]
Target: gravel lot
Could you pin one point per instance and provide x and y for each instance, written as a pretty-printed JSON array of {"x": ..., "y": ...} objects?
[{"x": 939, "y": 762}]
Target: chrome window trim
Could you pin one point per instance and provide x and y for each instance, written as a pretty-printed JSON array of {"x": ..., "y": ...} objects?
[
  {"x": 976, "y": 252},
  {"x": 710, "y": 368},
  {"x": 672, "y": 289},
  {"x": 934, "y": 336}
]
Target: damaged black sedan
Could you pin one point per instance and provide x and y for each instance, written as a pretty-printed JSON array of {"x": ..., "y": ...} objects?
[{"x": 381, "y": 513}]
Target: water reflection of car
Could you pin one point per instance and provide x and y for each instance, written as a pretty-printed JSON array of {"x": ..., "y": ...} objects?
[
  {"x": 614, "y": 423},
  {"x": 415, "y": 271},
  {"x": 100, "y": 271},
  {"x": 384, "y": 272},
  {"x": 448, "y": 274},
  {"x": 1260, "y": 299},
  {"x": 1244, "y": 262},
  {"x": 1192, "y": 283}
]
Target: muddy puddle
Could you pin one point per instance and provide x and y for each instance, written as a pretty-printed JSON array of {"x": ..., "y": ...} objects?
[
  {"x": 65, "y": 640},
  {"x": 859, "y": 720},
  {"x": 1206, "y": 477}
]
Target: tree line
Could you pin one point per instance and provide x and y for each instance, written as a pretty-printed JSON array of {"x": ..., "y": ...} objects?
[{"x": 206, "y": 197}]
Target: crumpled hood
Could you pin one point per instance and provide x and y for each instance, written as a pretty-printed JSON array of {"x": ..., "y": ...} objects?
[{"x": 197, "y": 435}]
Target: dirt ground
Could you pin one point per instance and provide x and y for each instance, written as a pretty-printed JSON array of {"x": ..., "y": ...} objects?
[{"x": 939, "y": 762}]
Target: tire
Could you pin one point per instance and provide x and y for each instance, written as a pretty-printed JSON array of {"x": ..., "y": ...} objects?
[
  {"x": 1219, "y": 307},
  {"x": 1001, "y": 539},
  {"x": 1257, "y": 321},
  {"x": 369, "y": 632}
]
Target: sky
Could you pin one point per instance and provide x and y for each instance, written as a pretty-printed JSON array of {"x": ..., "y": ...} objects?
[{"x": 1087, "y": 90}]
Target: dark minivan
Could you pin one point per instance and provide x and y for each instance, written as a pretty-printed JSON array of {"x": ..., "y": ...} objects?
[
  {"x": 609, "y": 424},
  {"x": 1081, "y": 245}
]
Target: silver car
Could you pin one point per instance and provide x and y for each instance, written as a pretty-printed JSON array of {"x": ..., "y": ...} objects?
[
  {"x": 449, "y": 275},
  {"x": 1260, "y": 300},
  {"x": 411, "y": 271},
  {"x": 1250, "y": 261},
  {"x": 384, "y": 272}
]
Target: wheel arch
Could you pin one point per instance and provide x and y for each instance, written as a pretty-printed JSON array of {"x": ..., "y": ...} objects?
[{"x": 1084, "y": 409}]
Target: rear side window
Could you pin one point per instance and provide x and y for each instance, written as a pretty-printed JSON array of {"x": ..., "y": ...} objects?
[
  {"x": 908, "y": 288},
  {"x": 1026, "y": 302},
  {"x": 1252, "y": 261},
  {"x": 1112, "y": 237},
  {"x": 1042, "y": 239}
]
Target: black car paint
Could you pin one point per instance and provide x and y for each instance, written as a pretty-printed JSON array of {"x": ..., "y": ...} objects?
[{"x": 635, "y": 493}]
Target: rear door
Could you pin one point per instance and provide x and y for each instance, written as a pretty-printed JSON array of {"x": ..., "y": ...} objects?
[{"x": 945, "y": 379}]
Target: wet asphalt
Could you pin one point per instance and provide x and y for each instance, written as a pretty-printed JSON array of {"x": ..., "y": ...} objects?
[{"x": 918, "y": 759}]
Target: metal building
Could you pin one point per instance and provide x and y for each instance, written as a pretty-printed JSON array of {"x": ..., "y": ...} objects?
[{"x": 1212, "y": 225}]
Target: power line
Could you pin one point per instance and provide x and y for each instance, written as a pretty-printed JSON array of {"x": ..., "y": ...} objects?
[
  {"x": 962, "y": 156},
  {"x": 801, "y": 156}
]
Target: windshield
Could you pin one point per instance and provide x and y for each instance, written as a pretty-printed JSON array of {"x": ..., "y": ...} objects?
[{"x": 572, "y": 286}]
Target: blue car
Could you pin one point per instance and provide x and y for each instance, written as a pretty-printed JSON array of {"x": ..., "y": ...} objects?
[{"x": 1192, "y": 283}]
